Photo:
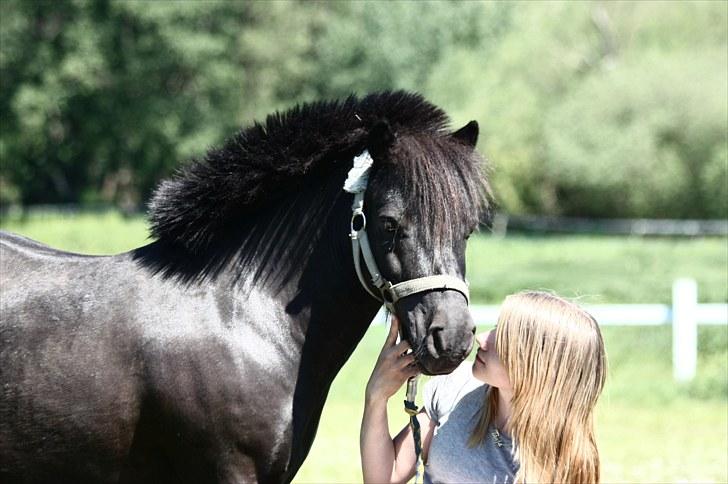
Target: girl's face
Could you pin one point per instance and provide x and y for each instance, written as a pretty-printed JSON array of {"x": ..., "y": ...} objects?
[{"x": 488, "y": 367}]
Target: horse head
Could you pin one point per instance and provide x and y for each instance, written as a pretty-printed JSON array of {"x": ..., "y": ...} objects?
[
  {"x": 259, "y": 205},
  {"x": 425, "y": 196}
]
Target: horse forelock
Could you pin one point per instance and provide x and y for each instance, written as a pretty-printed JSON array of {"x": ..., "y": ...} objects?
[
  {"x": 267, "y": 161},
  {"x": 444, "y": 186}
]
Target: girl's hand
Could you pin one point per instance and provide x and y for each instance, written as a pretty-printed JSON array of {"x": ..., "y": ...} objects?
[{"x": 393, "y": 367}]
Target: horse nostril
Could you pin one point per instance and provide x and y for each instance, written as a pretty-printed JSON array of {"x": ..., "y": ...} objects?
[
  {"x": 438, "y": 338},
  {"x": 438, "y": 341}
]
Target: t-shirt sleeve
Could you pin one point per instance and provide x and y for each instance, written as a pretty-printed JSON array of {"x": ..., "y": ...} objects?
[
  {"x": 429, "y": 397},
  {"x": 442, "y": 392}
]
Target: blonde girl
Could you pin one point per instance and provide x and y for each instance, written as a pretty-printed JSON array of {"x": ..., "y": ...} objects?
[{"x": 522, "y": 412}]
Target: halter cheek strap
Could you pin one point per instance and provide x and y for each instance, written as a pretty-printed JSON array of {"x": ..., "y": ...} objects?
[{"x": 390, "y": 293}]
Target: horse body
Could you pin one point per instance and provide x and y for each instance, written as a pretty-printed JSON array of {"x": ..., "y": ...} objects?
[
  {"x": 207, "y": 355},
  {"x": 156, "y": 381},
  {"x": 148, "y": 380}
]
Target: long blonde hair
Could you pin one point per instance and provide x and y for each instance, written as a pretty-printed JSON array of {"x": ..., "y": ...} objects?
[{"x": 554, "y": 355}]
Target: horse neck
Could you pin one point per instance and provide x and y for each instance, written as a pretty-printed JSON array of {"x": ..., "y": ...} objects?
[
  {"x": 297, "y": 253},
  {"x": 323, "y": 292},
  {"x": 333, "y": 311}
]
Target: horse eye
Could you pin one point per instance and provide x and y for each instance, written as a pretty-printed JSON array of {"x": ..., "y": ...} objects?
[{"x": 389, "y": 224}]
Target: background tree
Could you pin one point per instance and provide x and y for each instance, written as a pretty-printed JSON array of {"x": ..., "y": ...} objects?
[{"x": 591, "y": 108}]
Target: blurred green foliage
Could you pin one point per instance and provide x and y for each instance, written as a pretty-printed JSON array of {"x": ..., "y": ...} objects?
[{"x": 592, "y": 108}]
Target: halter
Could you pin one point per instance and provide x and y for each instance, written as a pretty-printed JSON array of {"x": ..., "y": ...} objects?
[{"x": 356, "y": 183}]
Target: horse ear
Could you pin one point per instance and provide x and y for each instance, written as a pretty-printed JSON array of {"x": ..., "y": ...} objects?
[
  {"x": 468, "y": 134},
  {"x": 380, "y": 139}
]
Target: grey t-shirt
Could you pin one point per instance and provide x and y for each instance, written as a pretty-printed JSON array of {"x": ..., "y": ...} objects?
[{"x": 453, "y": 402}]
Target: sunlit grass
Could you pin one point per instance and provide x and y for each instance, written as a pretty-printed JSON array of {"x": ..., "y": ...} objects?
[
  {"x": 597, "y": 269},
  {"x": 682, "y": 440},
  {"x": 86, "y": 233}
]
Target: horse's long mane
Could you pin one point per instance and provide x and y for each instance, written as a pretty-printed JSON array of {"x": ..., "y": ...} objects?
[{"x": 208, "y": 198}]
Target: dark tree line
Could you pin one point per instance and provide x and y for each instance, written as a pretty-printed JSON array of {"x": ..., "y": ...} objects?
[{"x": 596, "y": 109}]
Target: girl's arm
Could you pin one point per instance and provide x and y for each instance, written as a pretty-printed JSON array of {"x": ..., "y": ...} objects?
[
  {"x": 384, "y": 459},
  {"x": 404, "y": 447}
]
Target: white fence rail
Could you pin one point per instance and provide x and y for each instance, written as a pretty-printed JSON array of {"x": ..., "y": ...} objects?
[
  {"x": 685, "y": 314},
  {"x": 576, "y": 225}
]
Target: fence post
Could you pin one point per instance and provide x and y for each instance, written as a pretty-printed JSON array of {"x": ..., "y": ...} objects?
[{"x": 684, "y": 329}]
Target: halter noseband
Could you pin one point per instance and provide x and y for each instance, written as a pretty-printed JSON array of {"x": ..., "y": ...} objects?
[{"x": 356, "y": 183}]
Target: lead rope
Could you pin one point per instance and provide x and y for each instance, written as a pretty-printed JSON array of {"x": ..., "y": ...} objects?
[{"x": 410, "y": 407}]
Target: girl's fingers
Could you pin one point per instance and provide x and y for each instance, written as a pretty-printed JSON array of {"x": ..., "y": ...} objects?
[
  {"x": 400, "y": 348},
  {"x": 405, "y": 361},
  {"x": 411, "y": 370},
  {"x": 393, "y": 331}
]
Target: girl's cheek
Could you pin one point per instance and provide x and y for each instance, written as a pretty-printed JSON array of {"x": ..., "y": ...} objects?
[{"x": 505, "y": 380}]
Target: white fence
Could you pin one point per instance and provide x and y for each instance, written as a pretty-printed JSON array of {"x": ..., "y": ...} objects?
[
  {"x": 685, "y": 314},
  {"x": 576, "y": 225}
]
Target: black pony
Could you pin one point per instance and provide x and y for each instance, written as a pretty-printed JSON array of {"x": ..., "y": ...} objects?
[{"x": 207, "y": 355}]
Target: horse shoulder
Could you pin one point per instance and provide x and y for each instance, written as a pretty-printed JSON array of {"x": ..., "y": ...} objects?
[{"x": 216, "y": 375}]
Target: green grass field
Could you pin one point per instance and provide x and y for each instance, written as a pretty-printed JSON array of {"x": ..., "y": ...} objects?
[{"x": 649, "y": 428}]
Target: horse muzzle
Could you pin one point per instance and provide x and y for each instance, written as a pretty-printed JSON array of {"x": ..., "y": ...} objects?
[{"x": 440, "y": 330}]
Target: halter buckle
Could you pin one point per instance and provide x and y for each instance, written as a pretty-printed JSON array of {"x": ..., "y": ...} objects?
[
  {"x": 387, "y": 293},
  {"x": 356, "y": 216}
]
